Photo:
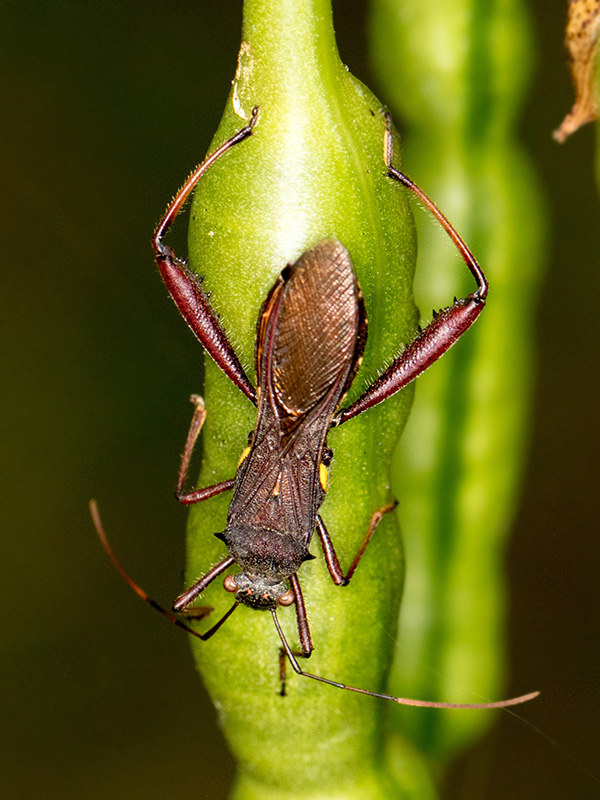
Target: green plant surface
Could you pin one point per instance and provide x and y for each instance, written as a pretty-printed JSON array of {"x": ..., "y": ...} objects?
[
  {"x": 312, "y": 169},
  {"x": 455, "y": 72}
]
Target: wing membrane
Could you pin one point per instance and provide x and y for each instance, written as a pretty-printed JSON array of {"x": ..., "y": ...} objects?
[{"x": 310, "y": 337}]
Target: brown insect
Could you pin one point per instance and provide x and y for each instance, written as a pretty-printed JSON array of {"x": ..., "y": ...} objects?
[{"x": 310, "y": 336}]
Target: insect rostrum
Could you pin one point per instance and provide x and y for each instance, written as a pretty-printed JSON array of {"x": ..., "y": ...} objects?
[{"x": 310, "y": 336}]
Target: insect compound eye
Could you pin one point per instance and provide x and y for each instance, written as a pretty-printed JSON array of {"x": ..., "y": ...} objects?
[
  {"x": 229, "y": 584},
  {"x": 286, "y": 599}
]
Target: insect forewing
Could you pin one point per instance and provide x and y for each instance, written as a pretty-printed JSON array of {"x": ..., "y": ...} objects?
[
  {"x": 309, "y": 340},
  {"x": 318, "y": 328}
]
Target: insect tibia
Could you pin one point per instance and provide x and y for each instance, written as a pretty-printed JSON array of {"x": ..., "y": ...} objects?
[{"x": 431, "y": 343}]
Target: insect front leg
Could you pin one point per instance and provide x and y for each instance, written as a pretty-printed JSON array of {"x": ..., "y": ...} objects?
[
  {"x": 442, "y": 332},
  {"x": 185, "y": 288},
  {"x": 303, "y": 633},
  {"x": 301, "y": 618},
  {"x": 188, "y": 498},
  {"x": 331, "y": 559},
  {"x": 187, "y": 598}
]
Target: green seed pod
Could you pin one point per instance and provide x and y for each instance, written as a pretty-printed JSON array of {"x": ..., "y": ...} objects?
[
  {"x": 456, "y": 72},
  {"x": 312, "y": 169}
]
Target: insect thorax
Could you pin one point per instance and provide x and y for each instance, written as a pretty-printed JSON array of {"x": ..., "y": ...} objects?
[{"x": 267, "y": 558}]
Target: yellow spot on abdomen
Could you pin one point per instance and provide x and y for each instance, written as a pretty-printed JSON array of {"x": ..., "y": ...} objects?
[
  {"x": 243, "y": 456},
  {"x": 323, "y": 477}
]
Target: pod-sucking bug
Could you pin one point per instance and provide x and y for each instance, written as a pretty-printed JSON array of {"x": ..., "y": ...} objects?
[{"x": 311, "y": 333}]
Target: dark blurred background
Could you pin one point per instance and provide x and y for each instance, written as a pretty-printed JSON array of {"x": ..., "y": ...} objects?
[{"x": 106, "y": 108}]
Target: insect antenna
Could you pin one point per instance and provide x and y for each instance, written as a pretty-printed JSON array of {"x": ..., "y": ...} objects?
[
  {"x": 138, "y": 589},
  {"x": 405, "y": 701}
]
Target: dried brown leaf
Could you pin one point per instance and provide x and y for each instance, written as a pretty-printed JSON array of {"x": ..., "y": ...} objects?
[{"x": 583, "y": 27}]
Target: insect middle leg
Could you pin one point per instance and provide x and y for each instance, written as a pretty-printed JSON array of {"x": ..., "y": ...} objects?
[
  {"x": 198, "y": 495},
  {"x": 331, "y": 559}
]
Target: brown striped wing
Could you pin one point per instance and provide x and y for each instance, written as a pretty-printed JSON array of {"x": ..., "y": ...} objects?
[
  {"x": 318, "y": 328},
  {"x": 310, "y": 337}
]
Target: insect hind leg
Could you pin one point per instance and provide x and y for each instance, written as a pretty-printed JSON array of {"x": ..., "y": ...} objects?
[
  {"x": 185, "y": 287},
  {"x": 445, "y": 329}
]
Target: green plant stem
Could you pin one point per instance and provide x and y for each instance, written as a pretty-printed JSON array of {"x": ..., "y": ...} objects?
[
  {"x": 313, "y": 169},
  {"x": 456, "y": 71}
]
